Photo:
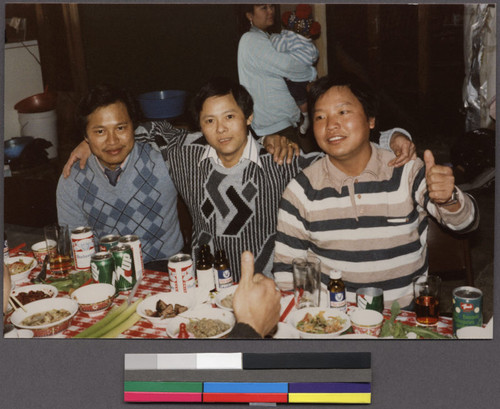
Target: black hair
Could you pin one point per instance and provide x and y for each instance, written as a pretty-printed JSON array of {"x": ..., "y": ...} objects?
[
  {"x": 362, "y": 92},
  {"x": 243, "y": 22},
  {"x": 218, "y": 87},
  {"x": 101, "y": 96}
]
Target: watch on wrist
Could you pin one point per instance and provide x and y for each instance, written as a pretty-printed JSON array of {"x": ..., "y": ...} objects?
[{"x": 453, "y": 199}]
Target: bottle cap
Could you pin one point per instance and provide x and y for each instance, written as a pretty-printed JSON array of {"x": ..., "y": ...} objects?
[{"x": 335, "y": 274}]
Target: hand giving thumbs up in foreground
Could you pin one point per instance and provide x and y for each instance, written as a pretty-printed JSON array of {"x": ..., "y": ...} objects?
[
  {"x": 256, "y": 302},
  {"x": 440, "y": 182}
]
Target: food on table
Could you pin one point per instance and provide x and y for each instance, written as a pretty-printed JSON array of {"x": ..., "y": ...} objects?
[
  {"x": 19, "y": 267},
  {"x": 30, "y": 296},
  {"x": 206, "y": 327},
  {"x": 72, "y": 281},
  {"x": 227, "y": 301},
  {"x": 164, "y": 310},
  {"x": 318, "y": 324},
  {"x": 46, "y": 317}
]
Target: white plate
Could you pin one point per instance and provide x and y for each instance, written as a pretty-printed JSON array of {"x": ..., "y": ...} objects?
[
  {"x": 297, "y": 315},
  {"x": 200, "y": 312},
  {"x": 188, "y": 300},
  {"x": 286, "y": 331},
  {"x": 27, "y": 260},
  {"x": 223, "y": 293}
]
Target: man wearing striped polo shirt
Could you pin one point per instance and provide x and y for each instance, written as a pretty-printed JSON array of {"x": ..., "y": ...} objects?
[{"x": 357, "y": 214}]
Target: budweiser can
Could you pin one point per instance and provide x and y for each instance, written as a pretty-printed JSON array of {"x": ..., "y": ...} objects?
[
  {"x": 134, "y": 242},
  {"x": 102, "y": 266},
  {"x": 108, "y": 241},
  {"x": 124, "y": 267},
  {"x": 82, "y": 242},
  {"x": 467, "y": 307},
  {"x": 181, "y": 273}
]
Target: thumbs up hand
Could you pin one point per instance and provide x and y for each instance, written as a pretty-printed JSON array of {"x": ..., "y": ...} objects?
[{"x": 440, "y": 179}]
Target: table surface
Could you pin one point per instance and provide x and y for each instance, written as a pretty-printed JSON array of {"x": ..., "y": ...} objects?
[{"x": 154, "y": 282}]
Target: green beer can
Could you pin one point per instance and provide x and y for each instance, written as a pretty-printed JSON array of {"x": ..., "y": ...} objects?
[
  {"x": 102, "y": 266},
  {"x": 124, "y": 267},
  {"x": 108, "y": 241}
]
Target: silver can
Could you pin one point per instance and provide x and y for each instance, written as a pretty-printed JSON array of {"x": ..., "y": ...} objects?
[
  {"x": 82, "y": 242},
  {"x": 181, "y": 273},
  {"x": 133, "y": 241}
]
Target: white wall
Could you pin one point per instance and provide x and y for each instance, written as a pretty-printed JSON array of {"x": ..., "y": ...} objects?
[{"x": 23, "y": 78}]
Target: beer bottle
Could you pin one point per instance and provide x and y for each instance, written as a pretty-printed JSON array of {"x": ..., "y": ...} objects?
[
  {"x": 223, "y": 276},
  {"x": 204, "y": 269},
  {"x": 336, "y": 287}
]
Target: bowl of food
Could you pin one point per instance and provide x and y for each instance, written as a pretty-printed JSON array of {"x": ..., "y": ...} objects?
[
  {"x": 160, "y": 308},
  {"x": 40, "y": 250},
  {"x": 203, "y": 322},
  {"x": 20, "y": 267},
  {"x": 29, "y": 293},
  {"x": 45, "y": 317},
  {"x": 367, "y": 322},
  {"x": 318, "y": 322},
  {"x": 94, "y": 298},
  {"x": 224, "y": 298}
]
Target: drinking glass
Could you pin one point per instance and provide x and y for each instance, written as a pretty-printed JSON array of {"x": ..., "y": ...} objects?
[
  {"x": 306, "y": 281},
  {"x": 426, "y": 290},
  {"x": 59, "y": 246}
]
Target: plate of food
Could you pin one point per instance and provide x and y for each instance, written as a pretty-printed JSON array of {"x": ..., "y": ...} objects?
[
  {"x": 29, "y": 293},
  {"x": 224, "y": 298},
  {"x": 203, "y": 321},
  {"x": 160, "y": 308},
  {"x": 20, "y": 267},
  {"x": 319, "y": 322},
  {"x": 45, "y": 317}
]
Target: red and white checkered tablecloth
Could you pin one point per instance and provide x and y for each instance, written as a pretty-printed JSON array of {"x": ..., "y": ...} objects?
[{"x": 155, "y": 282}]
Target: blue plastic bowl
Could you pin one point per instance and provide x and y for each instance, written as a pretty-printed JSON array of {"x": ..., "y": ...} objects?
[
  {"x": 163, "y": 104},
  {"x": 15, "y": 146}
]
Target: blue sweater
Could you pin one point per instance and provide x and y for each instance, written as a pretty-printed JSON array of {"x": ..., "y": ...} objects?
[{"x": 143, "y": 202}]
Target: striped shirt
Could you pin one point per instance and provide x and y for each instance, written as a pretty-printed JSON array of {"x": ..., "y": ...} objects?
[
  {"x": 298, "y": 46},
  {"x": 372, "y": 227},
  {"x": 233, "y": 209}
]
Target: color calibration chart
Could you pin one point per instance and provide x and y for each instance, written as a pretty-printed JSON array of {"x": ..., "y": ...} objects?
[{"x": 339, "y": 377}]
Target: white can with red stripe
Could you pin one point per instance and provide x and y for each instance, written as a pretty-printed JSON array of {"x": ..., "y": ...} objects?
[
  {"x": 82, "y": 243},
  {"x": 181, "y": 273},
  {"x": 133, "y": 241}
]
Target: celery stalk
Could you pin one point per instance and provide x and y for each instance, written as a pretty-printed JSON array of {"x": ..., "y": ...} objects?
[{"x": 123, "y": 326}]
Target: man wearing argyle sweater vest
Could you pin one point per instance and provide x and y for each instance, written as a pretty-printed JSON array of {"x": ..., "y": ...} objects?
[{"x": 125, "y": 187}]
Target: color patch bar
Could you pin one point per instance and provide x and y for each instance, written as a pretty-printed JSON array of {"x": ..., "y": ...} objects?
[
  {"x": 329, "y": 387},
  {"x": 254, "y": 375},
  {"x": 246, "y": 397},
  {"x": 163, "y": 387},
  {"x": 336, "y": 360},
  {"x": 245, "y": 387},
  {"x": 176, "y": 361},
  {"x": 140, "y": 361},
  {"x": 219, "y": 361},
  {"x": 329, "y": 397},
  {"x": 162, "y": 397}
]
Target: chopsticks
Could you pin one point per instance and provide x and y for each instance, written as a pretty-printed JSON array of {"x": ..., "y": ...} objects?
[
  {"x": 17, "y": 248},
  {"x": 13, "y": 301},
  {"x": 287, "y": 309}
]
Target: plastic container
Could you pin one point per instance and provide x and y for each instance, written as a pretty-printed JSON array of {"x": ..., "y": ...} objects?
[
  {"x": 41, "y": 125},
  {"x": 164, "y": 104}
]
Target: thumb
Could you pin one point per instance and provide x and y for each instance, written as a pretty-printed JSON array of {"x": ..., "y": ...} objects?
[
  {"x": 429, "y": 159},
  {"x": 247, "y": 268}
]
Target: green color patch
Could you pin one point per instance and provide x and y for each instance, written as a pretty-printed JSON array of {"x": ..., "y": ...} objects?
[{"x": 163, "y": 386}]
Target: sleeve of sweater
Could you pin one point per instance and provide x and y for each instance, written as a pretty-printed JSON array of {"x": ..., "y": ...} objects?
[
  {"x": 259, "y": 49},
  {"x": 464, "y": 220},
  {"x": 243, "y": 331},
  {"x": 69, "y": 207}
]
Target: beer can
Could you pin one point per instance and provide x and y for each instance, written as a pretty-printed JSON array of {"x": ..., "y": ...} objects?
[
  {"x": 102, "y": 266},
  {"x": 82, "y": 242},
  {"x": 134, "y": 242},
  {"x": 108, "y": 241},
  {"x": 123, "y": 257},
  {"x": 467, "y": 307},
  {"x": 181, "y": 273}
]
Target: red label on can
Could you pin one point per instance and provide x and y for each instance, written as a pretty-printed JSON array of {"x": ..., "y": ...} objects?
[{"x": 466, "y": 307}]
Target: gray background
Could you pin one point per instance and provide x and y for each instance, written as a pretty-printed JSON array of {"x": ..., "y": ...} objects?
[{"x": 53, "y": 373}]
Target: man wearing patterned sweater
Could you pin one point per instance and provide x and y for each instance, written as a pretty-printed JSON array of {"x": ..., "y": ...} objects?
[
  {"x": 126, "y": 187},
  {"x": 357, "y": 214}
]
